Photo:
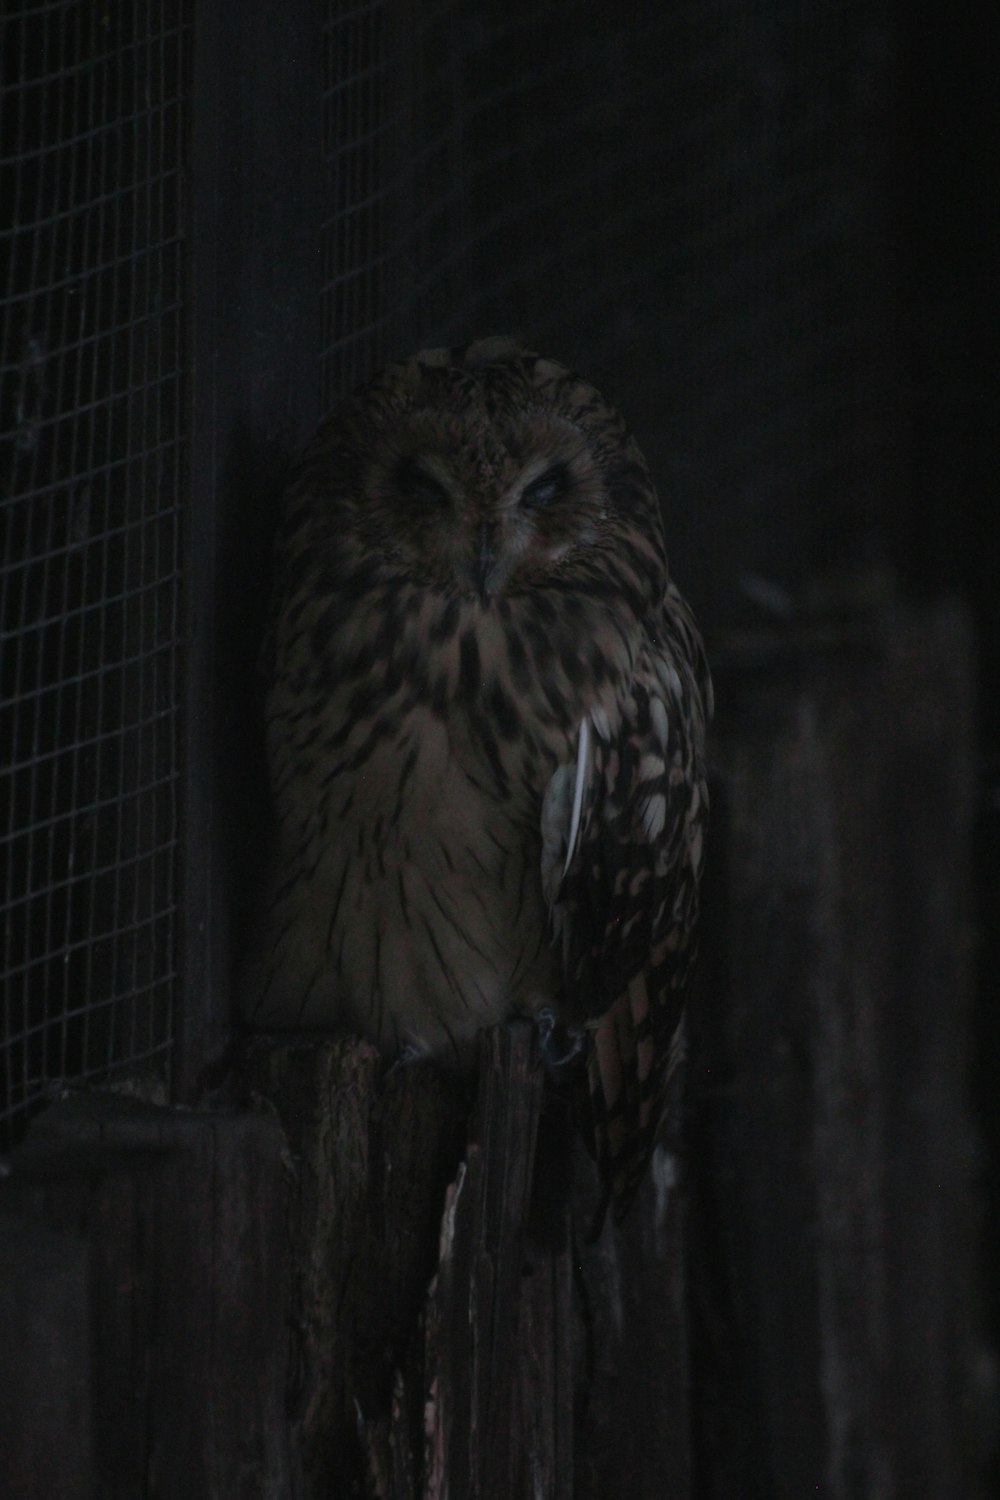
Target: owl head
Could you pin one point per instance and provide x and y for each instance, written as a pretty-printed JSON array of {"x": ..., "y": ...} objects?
[{"x": 486, "y": 470}]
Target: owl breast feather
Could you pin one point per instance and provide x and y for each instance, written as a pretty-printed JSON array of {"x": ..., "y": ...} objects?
[{"x": 409, "y": 795}]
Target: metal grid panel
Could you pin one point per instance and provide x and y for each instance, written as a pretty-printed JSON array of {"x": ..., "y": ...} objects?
[
  {"x": 692, "y": 203},
  {"x": 491, "y": 168},
  {"x": 92, "y": 427},
  {"x": 358, "y": 123}
]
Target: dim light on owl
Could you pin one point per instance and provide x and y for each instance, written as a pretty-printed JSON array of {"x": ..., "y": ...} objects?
[{"x": 485, "y": 732}]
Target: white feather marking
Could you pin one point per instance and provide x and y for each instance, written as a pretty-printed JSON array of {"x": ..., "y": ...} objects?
[
  {"x": 601, "y": 722},
  {"x": 667, "y": 673},
  {"x": 650, "y": 768},
  {"x": 666, "y": 1177},
  {"x": 581, "y": 767},
  {"x": 661, "y": 723},
  {"x": 654, "y": 816}
]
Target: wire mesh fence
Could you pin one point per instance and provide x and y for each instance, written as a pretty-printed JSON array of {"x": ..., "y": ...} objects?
[
  {"x": 489, "y": 168},
  {"x": 92, "y": 466},
  {"x": 687, "y": 202},
  {"x": 691, "y": 204}
]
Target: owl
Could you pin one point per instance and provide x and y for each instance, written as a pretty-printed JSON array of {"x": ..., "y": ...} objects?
[{"x": 485, "y": 733}]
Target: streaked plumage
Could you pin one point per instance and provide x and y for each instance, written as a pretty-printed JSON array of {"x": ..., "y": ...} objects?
[{"x": 486, "y": 720}]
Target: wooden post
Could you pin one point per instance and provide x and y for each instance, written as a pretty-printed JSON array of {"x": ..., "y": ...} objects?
[
  {"x": 834, "y": 1225},
  {"x": 499, "y": 1360},
  {"x": 371, "y": 1160},
  {"x": 444, "y": 1342}
]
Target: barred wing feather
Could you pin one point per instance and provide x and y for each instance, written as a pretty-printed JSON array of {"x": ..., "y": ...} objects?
[{"x": 621, "y": 881}]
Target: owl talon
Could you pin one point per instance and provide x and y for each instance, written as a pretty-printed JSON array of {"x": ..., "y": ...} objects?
[{"x": 558, "y": 1043}]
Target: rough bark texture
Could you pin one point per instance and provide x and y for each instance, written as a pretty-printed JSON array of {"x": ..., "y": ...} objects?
[
  {"x": 371, "y": 1161},
  {"x": 498, "y": 1360},
  {"x": 435, "y": 1335}
]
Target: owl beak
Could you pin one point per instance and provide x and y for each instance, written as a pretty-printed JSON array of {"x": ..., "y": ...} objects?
[{"x": 484, "y": 564}]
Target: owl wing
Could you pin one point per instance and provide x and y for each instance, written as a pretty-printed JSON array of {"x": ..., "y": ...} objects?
[{"x": 623, "y": 831}]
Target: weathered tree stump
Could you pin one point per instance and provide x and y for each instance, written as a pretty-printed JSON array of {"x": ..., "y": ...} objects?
[
  {"x": 447, "y": 1348},
  {"x": 498, "y": 1366},
  {"x": 433, "y": 1343},
  {"x": 350, "y": 1290},
  {"x": 371, "y": 1161}
]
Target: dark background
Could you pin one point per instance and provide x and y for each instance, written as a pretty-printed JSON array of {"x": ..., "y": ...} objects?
[
  {"x": 948, "y": 535},
  {"x": 769, "y": 234}
]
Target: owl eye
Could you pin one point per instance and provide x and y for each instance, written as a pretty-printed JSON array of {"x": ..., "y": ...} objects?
[
  {"x": 546, "y": 488},
  {"x": 416, "y": 484}
]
